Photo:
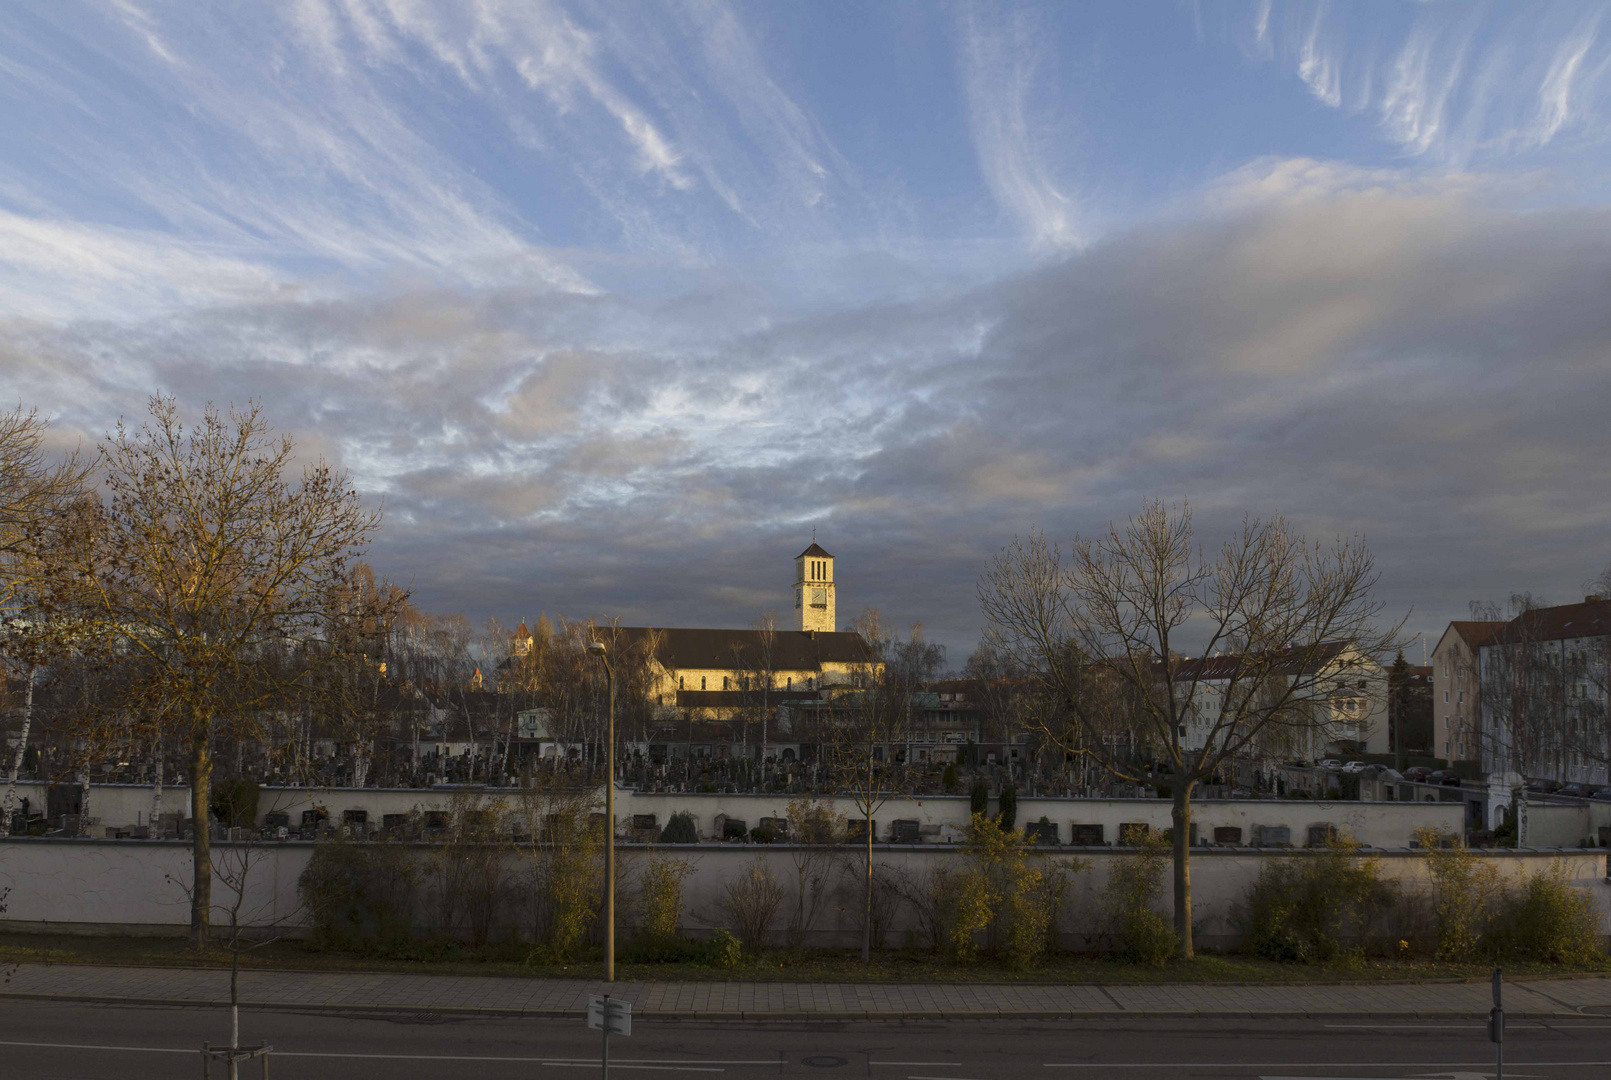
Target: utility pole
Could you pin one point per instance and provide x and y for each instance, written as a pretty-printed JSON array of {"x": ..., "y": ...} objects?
[{"x": 599, "y": 650}]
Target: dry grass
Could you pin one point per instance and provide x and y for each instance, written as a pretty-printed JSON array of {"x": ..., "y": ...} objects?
[{"x": 816, "y": 966}]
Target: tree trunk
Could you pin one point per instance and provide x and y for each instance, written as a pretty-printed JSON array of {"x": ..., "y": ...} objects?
[
  {"x": 1182, "y": 821},
  {"x": 9, "y": 803},
  {"x": 84, "y": 799},
  {"x": 156, "y": 794},
  {"x": 201, "y": 890},
  {"x": 867, "y": 913}
]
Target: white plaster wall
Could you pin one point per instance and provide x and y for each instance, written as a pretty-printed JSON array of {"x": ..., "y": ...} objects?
[{"x": 135, "y": 886}]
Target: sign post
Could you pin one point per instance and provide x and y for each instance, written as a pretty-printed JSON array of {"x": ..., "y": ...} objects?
[
  {"x": 1496, "y": 1029},
  {"x": 612, "y": 1016}
]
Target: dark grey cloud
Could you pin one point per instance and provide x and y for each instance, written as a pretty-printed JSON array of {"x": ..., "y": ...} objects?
[{"x": 1430, "y": 370}]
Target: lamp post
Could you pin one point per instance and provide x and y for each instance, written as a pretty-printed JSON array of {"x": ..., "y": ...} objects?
[{"x": 599, "y": 650}]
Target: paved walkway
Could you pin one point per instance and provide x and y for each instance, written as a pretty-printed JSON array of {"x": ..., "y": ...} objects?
[{"x": 389, "y": 992}]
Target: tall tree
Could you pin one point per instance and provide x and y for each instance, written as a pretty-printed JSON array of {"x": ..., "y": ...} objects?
[
  {"x": 206, "y": 560},
  {"x": 1104, "y": 631},
  {"x": 36, "y": 489},
  {"x": 869, "y": 726}
]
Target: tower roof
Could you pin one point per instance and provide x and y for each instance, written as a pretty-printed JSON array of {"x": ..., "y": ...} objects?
[{"x": 814, "y": 552}]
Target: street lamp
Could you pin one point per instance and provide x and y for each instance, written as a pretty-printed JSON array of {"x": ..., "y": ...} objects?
[{"x": 598, "y": 649}]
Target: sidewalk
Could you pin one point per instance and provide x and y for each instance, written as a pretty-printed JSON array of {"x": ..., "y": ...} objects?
[{"x": 388, "y": 992}]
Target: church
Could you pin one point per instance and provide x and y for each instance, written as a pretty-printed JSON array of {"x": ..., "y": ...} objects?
[{"x": 717, "y": 673}]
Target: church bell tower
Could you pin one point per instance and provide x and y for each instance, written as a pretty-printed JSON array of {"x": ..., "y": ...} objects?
[{"x": 813, "y": 590}]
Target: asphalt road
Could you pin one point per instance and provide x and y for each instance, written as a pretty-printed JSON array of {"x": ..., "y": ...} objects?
[{"x": 46, "y": 1041}]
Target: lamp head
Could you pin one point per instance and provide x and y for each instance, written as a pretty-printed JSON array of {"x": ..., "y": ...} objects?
[{"x": 597, "y": 648}]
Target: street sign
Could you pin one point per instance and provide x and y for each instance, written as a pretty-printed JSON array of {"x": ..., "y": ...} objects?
[{"x": 611, "y": 1015}]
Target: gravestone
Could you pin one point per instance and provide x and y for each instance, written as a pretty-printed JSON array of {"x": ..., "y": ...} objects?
[
  {"x": 1228, "y": 834},
  {"x": 1272, "y": 836},
  {"x": 904, "y": 831},
  {"x": 1040, "y": 832},
  {"x": 1321, "y": 834},
  {"x": 1084, "y": 835}
]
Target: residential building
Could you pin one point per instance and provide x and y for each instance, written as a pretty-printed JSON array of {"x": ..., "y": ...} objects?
[
  {"x": 1339, "y": 706},
  {"x": 1545, "y": 676},
  {"x": 1457, "y": 689}
]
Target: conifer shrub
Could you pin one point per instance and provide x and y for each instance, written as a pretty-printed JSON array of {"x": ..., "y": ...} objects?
[{"x": 680, "y": 829}]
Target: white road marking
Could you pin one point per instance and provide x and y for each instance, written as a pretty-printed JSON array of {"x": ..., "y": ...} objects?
[
  {"x": 537, "y": 1060},
  {"x": 613, "y": 1065},
  {"x": 1443, "y": 1065},
  {"x": 932, "y": 1078},
  {"x": 923, "y": 1064}
]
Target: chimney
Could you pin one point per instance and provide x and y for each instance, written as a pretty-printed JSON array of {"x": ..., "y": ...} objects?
[{"x": 1593, "y": 599}]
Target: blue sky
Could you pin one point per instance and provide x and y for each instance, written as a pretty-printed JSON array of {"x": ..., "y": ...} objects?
[{"x": 613, "y": 304}]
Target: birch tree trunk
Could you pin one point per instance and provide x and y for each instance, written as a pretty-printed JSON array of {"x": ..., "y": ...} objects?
[
  {"x": 9, "y": 802},
  {"x": 84, "y": 798},
  {"x": 156, "y": 793}
]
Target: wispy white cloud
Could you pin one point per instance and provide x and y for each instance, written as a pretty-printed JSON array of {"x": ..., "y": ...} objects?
[
  {"x": 1000, "y": 63},
  {"x": 1448, "y": 82}
]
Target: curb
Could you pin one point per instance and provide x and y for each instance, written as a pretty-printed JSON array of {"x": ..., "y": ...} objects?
[{"x": 822, "y": 1017}]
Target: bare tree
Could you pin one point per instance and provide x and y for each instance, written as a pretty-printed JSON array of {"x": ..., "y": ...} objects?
[
  {"x": 219, "y": 575},
  {"x": 1103, "y": 632},
  {"x": 868, "y": 727},
  {"x": 35, "y": 489}
]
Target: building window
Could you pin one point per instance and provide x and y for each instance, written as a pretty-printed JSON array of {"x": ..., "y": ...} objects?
[
  {"x": 1445, "y": 697},
  {"x": 679, "y": 682},
  {"x": 791, "y": 682},
  {"x": 724, "y": 682},
  {"x": 1462, "y": 697},
  {"x": 702, "y": 682}
]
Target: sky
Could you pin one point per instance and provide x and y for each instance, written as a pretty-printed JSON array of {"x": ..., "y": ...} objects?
[{"x": 612, "y": 307}]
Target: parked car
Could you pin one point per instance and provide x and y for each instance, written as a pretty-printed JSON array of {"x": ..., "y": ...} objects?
[
  {"x": 1331, "y": 763},
  {"x": 1544, "y": 787},
  {"x": 1354, "y": 767},
  {"x": 1418, "y": 774},
  {"x": 1604, "y": 794},
  {"x": 1577, "y": 791},
  {"x": 1446, "y": 777},
  {"x": 1383, "y": 773}
]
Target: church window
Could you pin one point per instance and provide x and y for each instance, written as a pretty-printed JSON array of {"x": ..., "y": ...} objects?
[
  {"x": 702, "y": 682},
  {"x": 791, "y": 682},
  {"x": 724, "y": 682},
  {"x": 679, "y": 682}
]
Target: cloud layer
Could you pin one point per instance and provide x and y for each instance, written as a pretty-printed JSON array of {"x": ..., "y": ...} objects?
[{"x": 613, "y": 313}]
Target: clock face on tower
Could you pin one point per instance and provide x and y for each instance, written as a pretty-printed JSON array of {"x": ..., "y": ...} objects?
[{"x": 819, "y": 598}]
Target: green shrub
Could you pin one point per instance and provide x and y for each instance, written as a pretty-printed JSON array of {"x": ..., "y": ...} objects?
[
  {"x": 360, "y": 896},
  {"x": 1465, "y": 888},
  {"x": 660, "y": 892},
  {"x": 1135, "y": 885},
  {"x": 948, "y": 779},
  {"x": 1003, "y": 892},
  {"x": 761, "y": 835},
  {"x": 1546, "y": 920},
  {"x": 1316, "y": 908},
  {"x": 979, "y": 797},
  {"x": 723, "y": 950},
  {"x": 680, "y": 830}
]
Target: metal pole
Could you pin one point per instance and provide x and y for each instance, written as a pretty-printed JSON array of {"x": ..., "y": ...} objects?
[
  {"x": 609, "y": 839},
  {"x": 604, "y": 1059},
  {"x": 1499, "y": 1029}
]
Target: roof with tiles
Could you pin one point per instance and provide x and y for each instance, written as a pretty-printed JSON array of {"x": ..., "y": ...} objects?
[{"x": 684, "y": 648}]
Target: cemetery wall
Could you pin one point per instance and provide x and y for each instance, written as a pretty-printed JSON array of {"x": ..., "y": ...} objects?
[
  {"x": 938, "y": 818},
  {"x": 136, "y": 886}
]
